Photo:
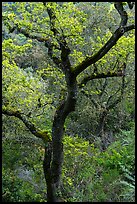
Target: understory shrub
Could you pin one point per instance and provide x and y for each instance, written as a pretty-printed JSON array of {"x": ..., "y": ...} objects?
[{"x": 88, "y": 175}]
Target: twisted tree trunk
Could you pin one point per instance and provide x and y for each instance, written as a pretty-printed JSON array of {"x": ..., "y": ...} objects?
[{"x": 53, "y": 159}]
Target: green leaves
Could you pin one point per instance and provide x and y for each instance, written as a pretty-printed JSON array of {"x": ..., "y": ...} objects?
[
  {"x": 20, "y": 88},
  {"x": 89, "y": 174},
  {"x": 35, "y": 88}
]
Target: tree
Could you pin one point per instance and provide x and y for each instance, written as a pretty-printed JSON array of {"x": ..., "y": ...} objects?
[{"x": 59, "y": 28}]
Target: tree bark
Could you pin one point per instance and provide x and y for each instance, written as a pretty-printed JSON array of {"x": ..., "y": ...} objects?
[
  {"x": 47, "y": 173},
  {"x": 53, "y": 158}
]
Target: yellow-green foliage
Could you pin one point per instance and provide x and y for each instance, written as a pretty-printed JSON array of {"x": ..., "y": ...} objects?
[
  {"x": 88, "y": 174},
  {"x": 21, "y": 90},
  {"x": 94, "y": 176},
  {"x": 77, "y": 153}
]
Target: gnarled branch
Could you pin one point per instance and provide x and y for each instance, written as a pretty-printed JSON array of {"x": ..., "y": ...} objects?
[
  {"x": 65, "y": 50},
  {"x": 97, "y": 56},
  {"x": 44, "y": 135},
  {"x": 123, "y": 14},
  {"x": 100, "y": 76}
]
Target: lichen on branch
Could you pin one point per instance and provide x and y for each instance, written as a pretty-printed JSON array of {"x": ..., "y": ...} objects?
[{"x": 44, "y": 135}]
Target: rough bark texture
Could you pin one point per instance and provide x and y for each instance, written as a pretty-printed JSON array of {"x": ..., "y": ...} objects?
[
  {"x": 51, "y": 197},
  {"x": 53, "y": 159}
]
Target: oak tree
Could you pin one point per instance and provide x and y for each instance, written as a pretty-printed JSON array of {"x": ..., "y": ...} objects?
[{"x": 60, "y": 28}]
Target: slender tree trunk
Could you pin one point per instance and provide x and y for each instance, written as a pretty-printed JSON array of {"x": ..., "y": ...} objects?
[
  {"x": 53, "y": 159},
  {"x": 100, "y": 131}
]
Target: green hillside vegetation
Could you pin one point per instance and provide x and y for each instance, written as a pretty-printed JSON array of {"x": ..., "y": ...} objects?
[{"x": 68, "y": 102}]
